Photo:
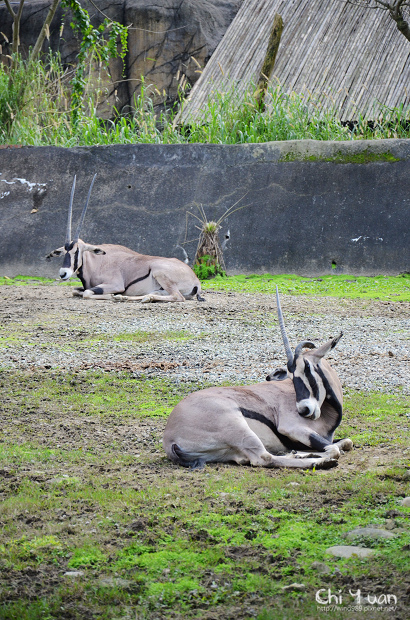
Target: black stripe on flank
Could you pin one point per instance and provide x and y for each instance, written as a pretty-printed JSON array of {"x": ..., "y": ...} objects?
[
  {"x": 286, "y": 441},
  {"x": 300, "y": 388},
  {"x": 312, "y": 381},
  {"x": 331, "y": 397},
  {"x": 138, "y": 280}
]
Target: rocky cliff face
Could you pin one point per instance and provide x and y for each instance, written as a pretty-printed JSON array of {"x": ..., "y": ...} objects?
[{"x": 169, "y": 41}]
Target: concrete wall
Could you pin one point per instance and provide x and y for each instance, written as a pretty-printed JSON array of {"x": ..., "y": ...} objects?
[{"x": 307, "y": 203}]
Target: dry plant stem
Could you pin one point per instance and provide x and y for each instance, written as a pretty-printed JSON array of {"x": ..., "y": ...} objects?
[
  {"x": 44, "y": 30},
  {"x": 16, "y": 27}
]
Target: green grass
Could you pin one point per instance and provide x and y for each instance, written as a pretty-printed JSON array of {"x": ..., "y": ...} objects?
[
  {"x": 375, "y": 410},
  {"x": 161, "y": 541},
  {"x": 95, "y": 392},
  {"x": 43, "y": 116},
  {"x": 386, "y": 288},
  {"x": 35, "y": 280}
]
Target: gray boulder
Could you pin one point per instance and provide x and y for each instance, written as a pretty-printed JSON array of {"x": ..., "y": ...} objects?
[
  {"x": 369, "y": 532},
  {"x": 344, "y": 551}
]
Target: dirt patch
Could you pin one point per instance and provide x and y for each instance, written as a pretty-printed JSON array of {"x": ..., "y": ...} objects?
[{"x": 229, "y": 337}]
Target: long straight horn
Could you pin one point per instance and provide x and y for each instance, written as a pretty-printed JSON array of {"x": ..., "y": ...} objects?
[
  {"x": 70, "y": 214},
  {"x": 81, "y": 222},
  {"x": 288, "y": 350}
]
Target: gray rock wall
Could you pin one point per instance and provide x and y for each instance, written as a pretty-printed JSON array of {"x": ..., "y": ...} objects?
[
  {"x": 306, "y": 204},
  {"x": 164, "y": 39}
]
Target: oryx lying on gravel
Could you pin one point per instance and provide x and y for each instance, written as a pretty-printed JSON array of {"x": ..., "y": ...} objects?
[
  {"x": 108, "y": 269},
  {"x": 299, "y": 409}
]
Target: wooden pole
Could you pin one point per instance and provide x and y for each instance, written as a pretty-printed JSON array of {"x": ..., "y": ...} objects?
[{"x": 270, "y": 57}]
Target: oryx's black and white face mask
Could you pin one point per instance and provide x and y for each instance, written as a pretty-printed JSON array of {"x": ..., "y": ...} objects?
[
  {"x": 310, "y": 378},
  {"x": 73, "y": 257}
]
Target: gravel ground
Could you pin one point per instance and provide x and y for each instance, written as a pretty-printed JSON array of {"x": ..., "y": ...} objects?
[{"x": 229, "y": 337}]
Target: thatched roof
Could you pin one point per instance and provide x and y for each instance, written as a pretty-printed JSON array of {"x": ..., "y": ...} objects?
[{"x": 352, "y": 56}]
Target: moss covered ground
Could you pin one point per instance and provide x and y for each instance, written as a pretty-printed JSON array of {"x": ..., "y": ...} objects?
[{"x": 96, "y": 523}]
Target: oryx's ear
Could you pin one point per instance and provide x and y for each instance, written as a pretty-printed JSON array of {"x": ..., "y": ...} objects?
[
  {"x": 92, "y": 248},
  {"x": 55, "y": 253},
  {"x": 279, "y": 374},
  {"x": 317, "y": 354}
]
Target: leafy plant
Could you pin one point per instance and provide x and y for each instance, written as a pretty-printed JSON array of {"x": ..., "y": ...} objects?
[
  {"x": 93, "y": 45},
  {"x": 206, "y": 268},
  {"x": 99, "y": 44}
]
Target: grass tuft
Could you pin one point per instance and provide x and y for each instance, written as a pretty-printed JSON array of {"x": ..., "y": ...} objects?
[{"x": 43, "y": 116}]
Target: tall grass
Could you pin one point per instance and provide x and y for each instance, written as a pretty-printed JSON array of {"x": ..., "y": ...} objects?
[{"x": 42, "y": 116}]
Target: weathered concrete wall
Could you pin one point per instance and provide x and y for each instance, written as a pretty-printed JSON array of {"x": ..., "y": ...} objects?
[{"x": 307, "y": 203}]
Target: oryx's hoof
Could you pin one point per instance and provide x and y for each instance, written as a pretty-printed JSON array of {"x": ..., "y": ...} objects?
[
  {"x": 347, "y": 445},
  {"x": 325, "y": 464},
  {"x": 77, "y": 293},
  {"x": 146, "y": 300},
  {"x": 119, "y": 298}
]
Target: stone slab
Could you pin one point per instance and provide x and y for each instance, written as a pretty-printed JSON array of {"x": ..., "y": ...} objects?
[{"x": 344, "y": 551}]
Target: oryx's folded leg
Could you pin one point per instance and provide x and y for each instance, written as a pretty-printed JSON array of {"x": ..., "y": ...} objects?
[
  {"x": 168, "y": 286},
  {"x": 104, "y": 290},
  {"x": 255, "y": 453},
  {"x": 312, "y": 440},
  {"x": 174, "y": 295},
  {"x": 145, "y": 299}
]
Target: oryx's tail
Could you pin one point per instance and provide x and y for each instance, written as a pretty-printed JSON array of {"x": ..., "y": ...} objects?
[{"x": 184, "y": 458}]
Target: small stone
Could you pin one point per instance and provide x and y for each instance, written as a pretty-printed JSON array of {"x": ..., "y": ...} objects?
[
  {"x": 344, "y": 551},
  {"x": 294, "y": 587},
  {"x": 390, "y": 524},
  {"x": 321, "y": 567},
  {"x": 112, "y": 582},
  {"x": 405, "y": 501},
  {"x": 406, "y": 475},
  {"x": 369, "y": 532},
  {"x": 74, "y": 573}
]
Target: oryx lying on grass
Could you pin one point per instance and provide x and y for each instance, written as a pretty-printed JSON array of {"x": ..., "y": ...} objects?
[
  {"x": 108, "y": 269},
  {"x": 299, "y": 409}
]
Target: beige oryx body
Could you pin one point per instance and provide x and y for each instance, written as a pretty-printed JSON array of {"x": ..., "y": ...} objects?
[
  {"x": 288, "y": 421},
  {"x": 109, "y": 270}
]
